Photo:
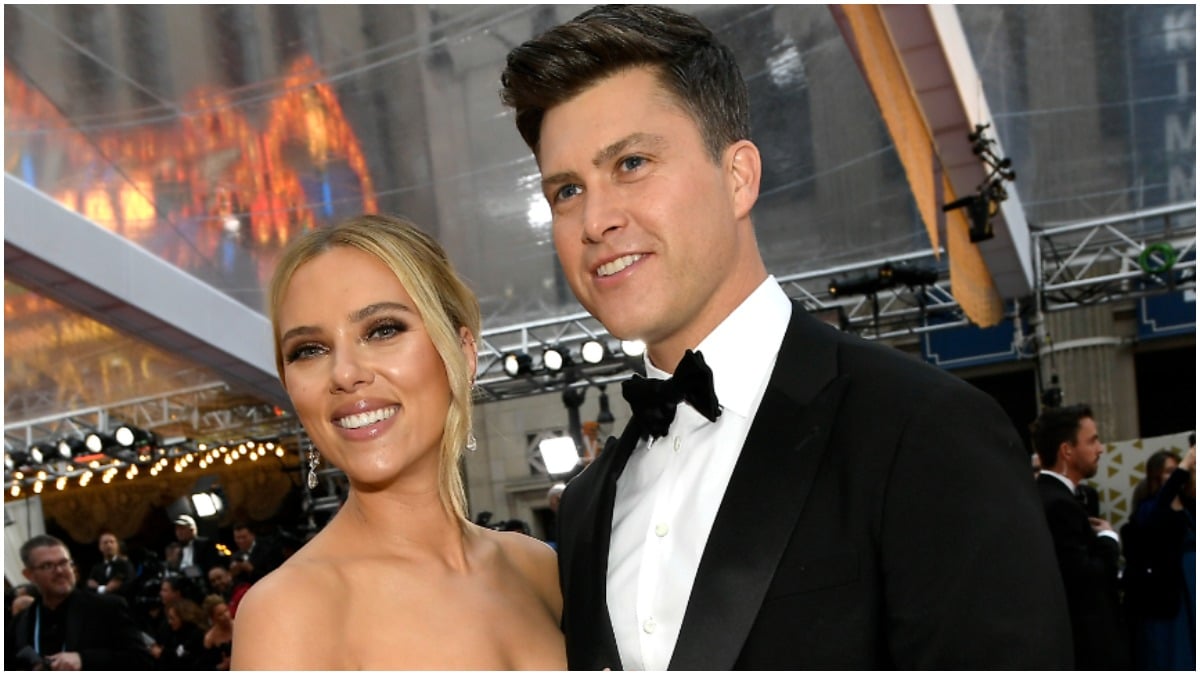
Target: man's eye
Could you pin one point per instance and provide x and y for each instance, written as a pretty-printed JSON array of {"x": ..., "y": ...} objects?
[
  {"x": 632, "y": 163},
  {"x": 566, "y": 192}
]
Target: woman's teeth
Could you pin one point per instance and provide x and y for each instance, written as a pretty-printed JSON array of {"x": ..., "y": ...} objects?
[{"x": 364, "y": 419}]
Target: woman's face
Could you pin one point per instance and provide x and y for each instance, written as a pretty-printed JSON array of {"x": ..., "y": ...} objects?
[
  {"x": 1168, "y": 468},
  {"x": 219, "y": 614},
  {"x": 361, "y": 370}
]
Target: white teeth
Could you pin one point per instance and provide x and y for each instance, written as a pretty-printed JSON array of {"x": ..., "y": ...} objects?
[
  {"x": 609, "y": 269},
  {"x": 363, "y": 419}
]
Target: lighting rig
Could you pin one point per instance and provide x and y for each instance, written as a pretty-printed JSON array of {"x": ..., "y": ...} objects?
[{"x": 982, "y": 206}]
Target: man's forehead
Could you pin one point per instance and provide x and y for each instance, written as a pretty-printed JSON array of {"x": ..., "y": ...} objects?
[{"x": 47, "y": 551}]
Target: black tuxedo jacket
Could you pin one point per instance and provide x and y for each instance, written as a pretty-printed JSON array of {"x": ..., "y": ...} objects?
[
  {"x": 1089, "y": 565},
  {"x": 99, "y": 627},
  {"x": 881, "y": 515}
]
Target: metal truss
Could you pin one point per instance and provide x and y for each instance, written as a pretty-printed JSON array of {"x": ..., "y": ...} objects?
[
  {"x": 202, "y": 413},
  {"x": 1108, "y": 259},
  {"x": 1101, "y": 260}
]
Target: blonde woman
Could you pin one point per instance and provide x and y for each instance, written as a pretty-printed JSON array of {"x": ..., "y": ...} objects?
[{"x": 375, "y": 342}]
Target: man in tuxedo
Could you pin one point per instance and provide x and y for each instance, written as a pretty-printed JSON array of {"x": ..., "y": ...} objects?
[
  {"x": 1088, "y": 548},
  {"x": 67, "y": 628},
  {"x": 258, "y": 558},
  {"x": 829, "y": 502}
]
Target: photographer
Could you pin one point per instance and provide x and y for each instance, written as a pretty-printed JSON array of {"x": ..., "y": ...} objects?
[{"x": 67, "y": 628}]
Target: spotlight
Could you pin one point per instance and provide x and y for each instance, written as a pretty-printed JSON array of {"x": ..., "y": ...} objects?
[
  {"x": 97, "y": 441},
  {"x": 869, "y": 283},
  {"x": 68, "y": 448},
  {"x": 553, "y": 359},
  {"x": 592, "y": 351},
  {"x": 560, "y": 455},
  {"x": 40, "y": 453},
  {"x": 633, "y": 347},
  {"x": 908, "y": 275},
  {"x": 132, "y": 437},
  {"x": 518, "y": 364}
]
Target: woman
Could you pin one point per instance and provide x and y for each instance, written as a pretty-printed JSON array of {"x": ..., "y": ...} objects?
[
  {"x": 218, "y": 641},
  {"x": 375, "y": 344},
  {"x": 1160, "y": 553},
  {"x": 183, "y": 646}
]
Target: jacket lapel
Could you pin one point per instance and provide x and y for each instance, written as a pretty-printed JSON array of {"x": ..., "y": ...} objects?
[
  {"x": 764, "y": 499},
  {"x": 593, "y": 645}
]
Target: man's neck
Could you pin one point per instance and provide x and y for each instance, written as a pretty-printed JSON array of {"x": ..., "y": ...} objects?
[{"x": 52, "y": 601}]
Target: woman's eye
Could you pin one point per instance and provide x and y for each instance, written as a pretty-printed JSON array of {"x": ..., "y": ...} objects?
[
  {"x": 385, "y": 330},
  {"x": 302, "y": 352}
]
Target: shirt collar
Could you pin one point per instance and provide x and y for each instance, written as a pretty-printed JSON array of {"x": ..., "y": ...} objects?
[
  {"x": 1066, "y": 481},
  {"x": 741, "y": 350}
]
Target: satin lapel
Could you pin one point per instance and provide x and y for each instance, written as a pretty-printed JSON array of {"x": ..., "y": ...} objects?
[
  {"x": 592, "y": 644},
  {"x": 764, "y": 499}
]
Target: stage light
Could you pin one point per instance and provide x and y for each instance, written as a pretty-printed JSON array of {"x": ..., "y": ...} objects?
[
  {"x": 908, "y": 275},
  {"x": 207, "y": 504},
  {"x": 592, "y": 351},
  {"x": 868, "y": 283},
  {"x": 132, "y": 437},
  {"x": 516, "y": 364},
  {"x": 560, "y": 455},
  {"x": 554, "y": 359},
  {"x": 633, "y": 347},
  {"x": 97, "y": 441},
  {"x": 71, "y": 447}
]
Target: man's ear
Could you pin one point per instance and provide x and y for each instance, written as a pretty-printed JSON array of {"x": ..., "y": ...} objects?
[{"x": 744, "y": 166}]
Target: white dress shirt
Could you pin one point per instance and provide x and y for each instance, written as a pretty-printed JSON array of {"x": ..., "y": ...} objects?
[{"x": 668, "y": 495}]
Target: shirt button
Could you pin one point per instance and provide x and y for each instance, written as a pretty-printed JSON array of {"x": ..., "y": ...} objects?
[
  {"x": 661, "y": 529},
  {"x": 677, "y": 444},
  {"x": 649, "y": 625}
]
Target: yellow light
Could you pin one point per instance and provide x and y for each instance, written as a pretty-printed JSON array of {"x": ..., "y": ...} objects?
[
  {"x": 106, "y": 478},
  {"x": 202, "y": 447},
  {"x": 41, "y": 475},
  {"x": 18, "y": 475},
  {"x": 61, "y": 483},
  {"x": 37, "y": 488},
  {"x": 228, "y": 459},
  {"x": 279, "y": 452},
  {"x": 270, "y": 445},
  {"x": 15, "y": 491},
  {"x": 254, "y": 457}
]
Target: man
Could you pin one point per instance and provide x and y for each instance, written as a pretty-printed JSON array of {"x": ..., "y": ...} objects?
[
  {"x": 259, "y": 559},
  {"x": 839, "y": 504},
  {"x": 113, "y": 571},
  {"x": 1088, "y": 549},
  {"x": 196, "y": 552},
  {"x": 67, "y": 628}
]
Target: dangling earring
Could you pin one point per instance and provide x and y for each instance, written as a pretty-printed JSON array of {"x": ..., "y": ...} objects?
[
  {"x": 314, "y": 458},
  {"x": 472, "y": 444}
]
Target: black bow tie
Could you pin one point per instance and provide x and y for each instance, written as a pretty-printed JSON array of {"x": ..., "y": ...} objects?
[{"x": 654, "y": 401}]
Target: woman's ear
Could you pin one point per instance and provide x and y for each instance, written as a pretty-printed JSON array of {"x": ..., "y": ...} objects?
[{"x": 467, "y": 341}]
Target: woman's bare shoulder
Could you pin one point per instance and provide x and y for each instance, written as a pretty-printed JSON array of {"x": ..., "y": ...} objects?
[
  {"x": 283, "y": 620},
  {"x": 535, "y": 560}
]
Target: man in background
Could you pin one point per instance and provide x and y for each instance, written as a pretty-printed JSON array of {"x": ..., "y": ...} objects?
[
  {"x": 67, "y": 628},
  {"x": 114, "y": 572},
  {"x": 1068, "y": 443}
]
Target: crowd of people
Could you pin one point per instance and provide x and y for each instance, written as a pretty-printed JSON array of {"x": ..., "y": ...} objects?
[
  {"x": 747, "y": 517},
  {"x": 176, "y": 614}
]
